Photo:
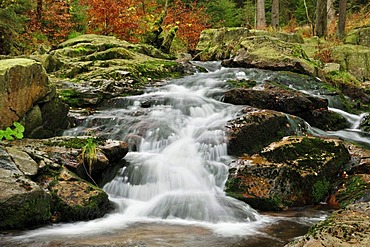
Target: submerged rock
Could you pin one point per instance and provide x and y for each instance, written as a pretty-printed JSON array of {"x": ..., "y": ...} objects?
[{"x": 295, "y": 171}]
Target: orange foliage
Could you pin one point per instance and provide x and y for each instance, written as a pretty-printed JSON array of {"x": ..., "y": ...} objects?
[
  {"x": 191, "y": 20},
  {"x": 55, "y": 21},
  {"x": 123, "y": 18}
]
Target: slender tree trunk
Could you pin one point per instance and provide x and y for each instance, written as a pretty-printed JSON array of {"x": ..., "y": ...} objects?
[
  {"x": 342, "y": 18},
  {"x": 39, "y": 10},
  {"x": 331, "y": 11},
  {"x": 308, "y": 18},
  {"x": 275, "y": 14},
  {"x": 321, "y": 18},
  {"x": 261, "y": 18}
]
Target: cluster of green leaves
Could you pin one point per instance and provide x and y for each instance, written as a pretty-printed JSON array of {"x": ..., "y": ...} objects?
[{"x": 11, "y": 133}]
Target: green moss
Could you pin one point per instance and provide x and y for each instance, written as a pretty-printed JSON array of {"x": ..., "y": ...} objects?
[
  {"x": 70, "y": 97},
  {"x": 244, "y": 83},
  {"x": 354, "y": 189},
  {"x": 320, "y": 190},
  {"x": 34, "y": 210},
  {"x": 77, "y": 143}
]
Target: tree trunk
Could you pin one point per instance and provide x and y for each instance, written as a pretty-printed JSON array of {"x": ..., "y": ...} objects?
[
  {"x": 261, "y": 19},
  {"x": 275, "y": 14},
  {"x": 321, "y": 18},
  {"x": 39, "y": 10},
  {"x": 342, "y": 19},
  {"x": 331, "y": 11}
]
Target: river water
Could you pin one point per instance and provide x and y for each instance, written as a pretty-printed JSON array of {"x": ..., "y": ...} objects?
[{"x": 171, "y": 193}]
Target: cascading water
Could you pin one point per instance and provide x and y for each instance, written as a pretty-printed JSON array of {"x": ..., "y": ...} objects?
[
  {"x": 177, "y": 164},
  {"x": 178, "y": 169}
]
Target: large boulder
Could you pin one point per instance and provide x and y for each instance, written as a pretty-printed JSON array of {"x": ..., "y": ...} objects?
[
  {"x": 97, "y": 67},
  {"x": 295, "y": 171},
  {"x": 253, "y": 129},
  {"x": 39, "y": 185},
  {"x": 359, "y": 36},
  {"x": 27, "y": 96},
  {"x": 23, "y": 202},
  {"x": 345, "y": 227},
  {"x": 23, "y": 82},
  {"x": 240, "y": 47},
  {"x": 312, "y": 109},
  {"x": 354, "y": 59}
]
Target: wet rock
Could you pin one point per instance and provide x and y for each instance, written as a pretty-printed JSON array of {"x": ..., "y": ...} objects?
[
  {"x": 254, "y": 129},
  {"x": 106, "y": 67},
  {"x": 312, "y": 109},
  {"x": 345, "y": 227},
  {"x": 295, "y": 171},
  {"x": 39, "y": 186},
  {"x": 365, "y": 123},
  {"x": 74, "y": 199},
  {"x": 23, "y": 202}
]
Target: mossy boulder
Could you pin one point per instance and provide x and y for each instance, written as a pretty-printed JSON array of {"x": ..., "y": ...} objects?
[
  {"x": 295, "y": 171},
  {"x": 354, "y": 59},
  {"x": 74, "y": 199},
  {"x": 241, "y": 47},
  {"x": 23, "y": 82},
  {"x": 345, "y": 227},
  {"x": 359, "y": 36},
  {"x": 39, "y": 186},
  {"x": 312, "y": 109},
  {"x": 266, "y": 52},
  {"x": 253, "y": 129},
  {"x": 91, "y": 68},
  {"x": 23, "y": 202}
]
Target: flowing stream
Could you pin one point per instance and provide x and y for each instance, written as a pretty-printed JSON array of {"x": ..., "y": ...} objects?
[{"x": 171, "y": 191}]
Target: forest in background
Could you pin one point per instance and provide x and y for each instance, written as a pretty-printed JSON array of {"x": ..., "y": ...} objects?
[{"x": 26, "y": 24}]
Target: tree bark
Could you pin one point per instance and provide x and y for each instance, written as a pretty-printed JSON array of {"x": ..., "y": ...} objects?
[
  {"x": 39, "y": 10},
  {"x": 261, "y": 18},
  {"x": 275, "y": 14},
  {"x": 321, "y": 18},
  {"x": 342, "y": 18},
  {"x": 331, "y": 11}
]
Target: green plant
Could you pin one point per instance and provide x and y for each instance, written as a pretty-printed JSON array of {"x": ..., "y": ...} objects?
[
  {"x": 89, "y": 153},
  {"x": 10, "y": 133}
]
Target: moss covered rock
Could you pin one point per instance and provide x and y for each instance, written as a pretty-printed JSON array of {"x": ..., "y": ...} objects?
[
  {"x": 312, "y": 109},
  {"x": 354, "y": 59},
  {"x": 345, "y": 227},
  {"x": 23, "y": 202},
  {"x": 241, "y": 47},
  {"x": 359, "y": 36},
  {"x": 254, "y": 129},
  {"x": 91, "y": 68},
  {"x": 23, "y": 82},
  {"x": 295, "y": 171},
  {"x": 74, "y": 199}
]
